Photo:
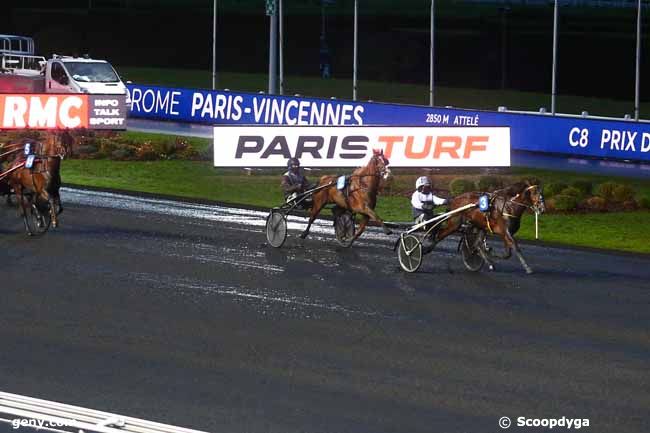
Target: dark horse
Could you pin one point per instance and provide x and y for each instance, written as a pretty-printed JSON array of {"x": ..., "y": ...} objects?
[
  {"x": 359, "y": 195},
  {"x": 43, "y": 179},
  {"x": 503, "y": 217}
]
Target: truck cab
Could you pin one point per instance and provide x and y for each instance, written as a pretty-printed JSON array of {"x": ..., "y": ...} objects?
[{"x": 82, "y": 75}]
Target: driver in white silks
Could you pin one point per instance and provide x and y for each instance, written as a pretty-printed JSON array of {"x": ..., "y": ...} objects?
[{"x": 423, "y": 201}]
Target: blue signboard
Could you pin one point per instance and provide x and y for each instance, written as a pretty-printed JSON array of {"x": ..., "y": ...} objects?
[{"x": 617, "y": 139}]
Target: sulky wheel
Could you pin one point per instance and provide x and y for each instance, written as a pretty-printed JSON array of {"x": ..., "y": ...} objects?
[
  {"x": 470, "y": 249},
  {"x": 409, "y": 253},
  {"x": 37, "y": 218},
  {"x": 276, "y": 228}
]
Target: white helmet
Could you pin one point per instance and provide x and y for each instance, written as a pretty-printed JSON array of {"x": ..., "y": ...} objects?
[{"x": 422, "y": 181}]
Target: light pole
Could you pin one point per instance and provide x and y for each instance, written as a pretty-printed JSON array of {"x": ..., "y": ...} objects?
[
  {"x": 638, "y": 62},
  {"x": 356, "y": 49},
  {"x": 272, "y": 12},
  {"x": 214, "y": 45},
  {"x": 431, "y": 62},
  {"x": 281, "y": 17},
  {"x": 554, "y": 76}
]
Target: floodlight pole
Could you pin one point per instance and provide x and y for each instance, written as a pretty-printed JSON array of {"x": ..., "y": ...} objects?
[
  {"x": 554, "y": 78},
  {"x": 431, "y": 57},
  {"x": 273, "y": 49},
  {"x": 356, "y": 50},
  {"x": 638, "y": 62},
  {"x": 281, "y": 18},
  {"x": 214, "y": 45}
]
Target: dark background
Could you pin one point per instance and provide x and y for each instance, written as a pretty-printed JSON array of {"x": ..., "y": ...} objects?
[{"x": 477, "y": 45}]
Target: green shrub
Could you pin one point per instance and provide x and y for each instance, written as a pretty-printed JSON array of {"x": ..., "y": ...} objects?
[
  {"x": 554, "y": 188},
  {"x": 460, "y": 186},
  {"x": 644, "y": 202},
  {"x": 597, "y": 204},
  {"x": 623, "y": 193},
  {"x": 606, "y": 190},
  {"x": 584, "y": 186},
  {"x": 573, "y": 192},
  {"x": 564, "y": 202},
  {"x": 489, "y": 183},
  {"x": 123, "y": 153}
]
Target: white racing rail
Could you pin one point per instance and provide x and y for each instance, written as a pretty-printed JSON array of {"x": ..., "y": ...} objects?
[{"x": 43, "y": 415}]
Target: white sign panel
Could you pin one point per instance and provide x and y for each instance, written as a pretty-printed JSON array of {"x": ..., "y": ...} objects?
[{"x": 340, "y": 146}]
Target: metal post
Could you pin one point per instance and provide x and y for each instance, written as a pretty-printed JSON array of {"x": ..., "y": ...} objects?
[
  {"x": 214, "y": 45},
  {"x": 356, "y": 43},
  {"x": 273, "y": 51},
  {"x": 281, "y": 17},
  {"x": 431, "y": 61},
  {"x": 638, "y": 62},
  {"x": 504, "y": 47},
  {"x": 554, "y": 79}
]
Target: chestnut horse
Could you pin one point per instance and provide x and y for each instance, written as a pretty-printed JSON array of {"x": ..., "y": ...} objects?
[
  {"x": 43, "y": 179},
  {"x": 358, "y": 196},
  {"x": 503, "y": 217}
]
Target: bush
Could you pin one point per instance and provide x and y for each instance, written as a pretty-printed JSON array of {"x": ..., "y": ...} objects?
[
  {"x": 564, "y": 202},
  {"x": 623, "y": 193},
  {"x": 597, "y": 204},
  {"x": 122, "y": 153},
  {"x": 606, "y": 190},
  {"x": 573, "y": 192},
  {"x": 460, "y": 186},
  {"x": 630, "y": 205},
  {"x": 554, "y": 188},
  {"x": 644, "y": 203},
  {"x": 584, "y": 186},
  {"x": 87, "y": 150},
  {"x": 489, "y": 183}
]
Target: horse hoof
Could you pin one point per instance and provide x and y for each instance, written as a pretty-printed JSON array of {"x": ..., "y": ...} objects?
[
  {"x": 491, "y": 267},
  {"x": 388, "y": 231},
  {"x": 529, "y": 271},
  {"x": 303, "y": 235}
]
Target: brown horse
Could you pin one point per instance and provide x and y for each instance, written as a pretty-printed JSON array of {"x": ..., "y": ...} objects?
[
  {"x": 43, "y": 179},
  {"x": 358, "y": 196},
  {"x": 503, "y": 217}
]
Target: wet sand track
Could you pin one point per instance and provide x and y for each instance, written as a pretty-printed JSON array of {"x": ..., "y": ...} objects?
[{"x": 179, "y": 313}]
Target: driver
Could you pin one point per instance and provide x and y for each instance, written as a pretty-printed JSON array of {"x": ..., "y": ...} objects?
[
  {"x": 423, "y": 200},
  {"x": 294, "y": 181}
]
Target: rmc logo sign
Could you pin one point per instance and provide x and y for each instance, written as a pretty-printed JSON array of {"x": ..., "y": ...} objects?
[
  {"x": 42, "y": 111},
  {"x": 264, "y": 146}
]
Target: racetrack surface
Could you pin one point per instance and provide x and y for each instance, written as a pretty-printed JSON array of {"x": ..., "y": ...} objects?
[{"x": 179, "y": 313}]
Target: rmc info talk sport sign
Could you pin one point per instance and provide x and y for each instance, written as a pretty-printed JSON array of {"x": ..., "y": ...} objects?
[
  {"x": 340, "y": 146},
  {"x": 54, "y": 111}
]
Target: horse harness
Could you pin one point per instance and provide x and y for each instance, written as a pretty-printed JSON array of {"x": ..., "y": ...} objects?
[{"x": 505, "y": 202}]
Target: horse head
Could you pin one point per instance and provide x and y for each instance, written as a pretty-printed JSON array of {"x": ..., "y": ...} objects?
[
  {"x": 381, "y": 163},
  {"x": 533, "y": 196}
]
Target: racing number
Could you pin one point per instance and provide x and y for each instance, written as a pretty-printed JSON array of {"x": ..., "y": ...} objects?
[{"x": 579, "y": 137}]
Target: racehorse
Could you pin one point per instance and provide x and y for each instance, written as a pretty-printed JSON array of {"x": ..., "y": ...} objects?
[
  {"x": 503, "y": 217},
  {"x": 43, "y": 179},
  {"x": 359, "y": 195}
]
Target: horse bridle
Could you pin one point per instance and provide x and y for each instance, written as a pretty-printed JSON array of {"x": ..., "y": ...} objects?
[{"x": 534, "y": 207}]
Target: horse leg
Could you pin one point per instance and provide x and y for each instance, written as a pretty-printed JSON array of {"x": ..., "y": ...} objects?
[
  {"x": 362, "y": 226},
  {"x": 317, "y": 206},
  {"x": 515, "y": 246},
  {"x": 18, "y": 190},
  {"x": 374, "y": 217}
]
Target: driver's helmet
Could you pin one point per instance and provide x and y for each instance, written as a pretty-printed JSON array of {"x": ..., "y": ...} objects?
[
  {"x": 422, "y": 182},
  {"x": 293, "y": 163}
]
